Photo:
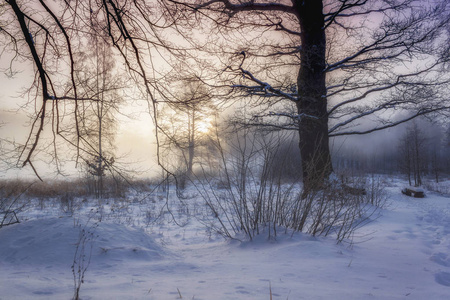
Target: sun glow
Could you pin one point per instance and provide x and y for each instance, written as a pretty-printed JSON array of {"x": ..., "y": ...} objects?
[{"x": 203, "y": 126}]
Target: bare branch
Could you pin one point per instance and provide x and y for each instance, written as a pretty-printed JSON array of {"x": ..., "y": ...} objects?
[
  {"x": 239, "y": 7},
  {"x": 392, "y": 124}
]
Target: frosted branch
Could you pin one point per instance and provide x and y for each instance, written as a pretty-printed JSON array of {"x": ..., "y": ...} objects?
[{"x": 262, "y": 87}]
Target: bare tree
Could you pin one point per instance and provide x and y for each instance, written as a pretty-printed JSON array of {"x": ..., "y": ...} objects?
[
  {"x": 435, "y": 166},
  {"x": 413, "y": 150},
  {"x": 436, "y": 149},
  {"x": 185, "y": 126},
  {"x": 446, "y": 151},
  {"x": 97, "y": 80},
  {"x": 405, "y": 158},
  {"x": 347, "y": 61}
]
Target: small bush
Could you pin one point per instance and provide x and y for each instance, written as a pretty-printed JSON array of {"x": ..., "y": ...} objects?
[
  {"x": 12, "y": 201},
  {"x": 248, "y": 200},
  {"x": 442, "y": 187}
]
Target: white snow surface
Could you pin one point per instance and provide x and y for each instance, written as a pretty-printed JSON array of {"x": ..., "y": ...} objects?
[{"x": 403, "y": 254}]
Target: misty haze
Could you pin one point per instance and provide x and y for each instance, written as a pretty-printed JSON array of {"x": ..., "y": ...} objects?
[{"x": 224, "y": 149}]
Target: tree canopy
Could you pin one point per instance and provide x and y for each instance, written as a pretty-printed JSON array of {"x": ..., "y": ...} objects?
[{"x": 319, "y": 67}]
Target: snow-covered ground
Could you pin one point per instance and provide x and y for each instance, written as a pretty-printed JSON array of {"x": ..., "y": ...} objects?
[{"x": 137, "y": 251}]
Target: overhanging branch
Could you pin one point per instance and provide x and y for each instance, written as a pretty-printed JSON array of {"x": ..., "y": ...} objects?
[{"x": 391, "y": 124}]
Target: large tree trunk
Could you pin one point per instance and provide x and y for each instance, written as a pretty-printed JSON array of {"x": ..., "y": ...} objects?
[{"x": 312, "y": 101}]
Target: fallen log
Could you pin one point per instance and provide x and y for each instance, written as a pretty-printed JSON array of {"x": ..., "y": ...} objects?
[{"x": 413, "y": 192}]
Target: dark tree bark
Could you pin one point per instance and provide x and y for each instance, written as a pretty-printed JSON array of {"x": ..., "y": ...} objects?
[{"x": 312, "y": 101}]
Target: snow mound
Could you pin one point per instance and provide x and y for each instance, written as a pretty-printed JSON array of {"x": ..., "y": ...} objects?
[
  {"x": 28, "y": 243},
  {"x": 118, "y": 242}
]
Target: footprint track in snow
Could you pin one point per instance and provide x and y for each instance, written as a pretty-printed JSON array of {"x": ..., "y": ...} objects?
[
  {"x": 442, "y": 278},
  {"x": 441, "y": 259},
  {"x": 434, "y": 223}
]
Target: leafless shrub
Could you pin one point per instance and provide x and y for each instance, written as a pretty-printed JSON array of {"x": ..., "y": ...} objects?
[
  {"x": 112, "y": 186},
  {"x": 147, "y": 185},
  {"x": 443, "y": 187},
  {"x": 376, "y": 194},
  {"x": 68, "y": 204},
  {"x": 254, "y": 198},
  {"x": 83, "y": 252},
  {"x": 12, "y": 201},
  {"x": 249, "y": 194},
  {"x": 335, "y": 210}
]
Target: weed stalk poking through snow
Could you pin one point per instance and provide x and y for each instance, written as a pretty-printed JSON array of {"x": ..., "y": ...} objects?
[{"x": 83, "y": 253}]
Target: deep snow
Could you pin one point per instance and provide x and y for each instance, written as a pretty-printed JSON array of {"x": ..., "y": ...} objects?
[{"x": 404, "y": 254}]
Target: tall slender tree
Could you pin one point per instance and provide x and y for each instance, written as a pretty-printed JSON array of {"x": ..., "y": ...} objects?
[
  {"x": 96, "y": 76},
  {"x": 185, "y": 127},
  {"x": 413, "y": 154}
]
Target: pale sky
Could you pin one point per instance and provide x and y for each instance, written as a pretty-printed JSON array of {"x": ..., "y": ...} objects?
[{"x": 135, "y": 139}]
